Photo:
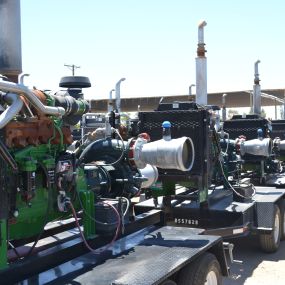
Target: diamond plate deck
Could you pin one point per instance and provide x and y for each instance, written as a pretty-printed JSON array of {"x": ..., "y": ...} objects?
[{"x": 145, "y": 258}]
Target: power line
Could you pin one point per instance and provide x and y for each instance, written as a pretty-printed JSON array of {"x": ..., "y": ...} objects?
[{"x": 72, "y": 67}]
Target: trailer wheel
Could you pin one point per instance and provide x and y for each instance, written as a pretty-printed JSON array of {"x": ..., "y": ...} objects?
[
  {"x": 282, "y": 212},
  {"x": 270, "y": 242},
  {"x": 205, "y": 270}
]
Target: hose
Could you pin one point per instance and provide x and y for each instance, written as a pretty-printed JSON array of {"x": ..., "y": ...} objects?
[
  {"x": 96, "y": 251},
  {"x": 47, "y": 212},
  {"x": 123, "y": 150},
  {"x": 99, "y": 222},
  {"x": 232, "y": 188}
]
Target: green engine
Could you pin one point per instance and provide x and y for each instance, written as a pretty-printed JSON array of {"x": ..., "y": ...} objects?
[{"x": 37, "y": 172}]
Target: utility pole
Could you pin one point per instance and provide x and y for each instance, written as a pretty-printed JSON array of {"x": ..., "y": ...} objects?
[{"x": 72, "y": 67}]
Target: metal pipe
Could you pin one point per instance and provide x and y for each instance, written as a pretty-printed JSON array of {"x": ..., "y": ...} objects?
[
  {"x": 166, "y": 154},
  {"x": 150, "y": 172},
  {"x": 256, "y": 71},
  {"x": 201, "y": 67},
  {"x": 34, "y": 100},
  {"x": 190, "y": 91},
  {"x": 118, "y": 94},
  {"x": 21, "y": 78},
  {"x": 110, "y": 102},
  {"x": 201, "y": 32},
  {"x": 11, "y": 111},
  {"x": 251, "y": 102},
  {"x": 258, "y": 147},
  {"x": 256, "y": 91},
  {"x": 283, "y": 117},
  {"x": 224, "y": 109}
]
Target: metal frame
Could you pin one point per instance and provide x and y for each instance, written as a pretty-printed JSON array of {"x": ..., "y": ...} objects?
[{"x": 69, "y": 248}]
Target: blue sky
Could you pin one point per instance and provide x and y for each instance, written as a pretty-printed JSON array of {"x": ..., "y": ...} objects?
[{"x": 152, "y": 43}]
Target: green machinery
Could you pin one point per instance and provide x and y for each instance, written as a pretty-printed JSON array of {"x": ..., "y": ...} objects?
[
  {"x": 37, "y": 172},
  {"x": 46, "y": 176}
]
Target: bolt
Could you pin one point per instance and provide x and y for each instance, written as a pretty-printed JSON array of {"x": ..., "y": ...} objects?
[{"x": 16, "y": 213}]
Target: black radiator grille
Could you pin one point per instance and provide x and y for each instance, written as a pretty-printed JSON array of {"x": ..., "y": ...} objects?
[
  {"x": 189, "y": 123},
  {"x": 246, "y": 127}
]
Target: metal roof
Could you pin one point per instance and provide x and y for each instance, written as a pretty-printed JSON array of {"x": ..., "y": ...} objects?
[{"x": 234, "y": 99}]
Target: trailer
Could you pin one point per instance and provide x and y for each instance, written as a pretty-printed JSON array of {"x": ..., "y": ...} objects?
[
  {"x": 147, "y": 253},
  {"x": 207, "y": 196},
  {"x": 47, "y": 178}
]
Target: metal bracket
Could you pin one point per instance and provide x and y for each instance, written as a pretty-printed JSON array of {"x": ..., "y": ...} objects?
[{"x": 229, "y": 247}]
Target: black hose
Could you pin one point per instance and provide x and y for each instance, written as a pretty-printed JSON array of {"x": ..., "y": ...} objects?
[{"x": 5, "y": 154}]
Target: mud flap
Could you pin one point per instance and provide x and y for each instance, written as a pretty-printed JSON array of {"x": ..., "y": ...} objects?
[{"x": 265, "y": 215}]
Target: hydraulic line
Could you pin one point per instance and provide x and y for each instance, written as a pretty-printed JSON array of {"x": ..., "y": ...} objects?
[{"x": 96, "y": 251}]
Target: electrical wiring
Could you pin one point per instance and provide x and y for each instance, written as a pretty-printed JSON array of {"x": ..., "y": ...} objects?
[
  {"x": 15, "y": 250},
  {"x": 232, "y": 188},
  {"x": 97, "y": 251},
  {"x": 123, "y": 150},
  {"x": 128, "y": 206},
  {"x": 95, "y": 220},
  {"x": 47, "y": 211}
]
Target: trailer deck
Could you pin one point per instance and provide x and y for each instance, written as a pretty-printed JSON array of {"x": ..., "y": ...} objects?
[{"x": 145, "y": 257}]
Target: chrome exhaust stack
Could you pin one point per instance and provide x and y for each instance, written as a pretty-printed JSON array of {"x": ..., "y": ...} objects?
[
  {"x": 256, "y": 90},
  {"x": 201, "y": 67}
]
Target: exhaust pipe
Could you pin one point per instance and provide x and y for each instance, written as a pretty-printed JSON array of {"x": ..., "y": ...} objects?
[
  {"x": 166, "y": 153},
  {"x": 16, "y": 106},
  {"x": 201, "y": 67},
  {"x": 118, "y": 95},
  {"x": 34, "y": 100},
  {"x": 224, "y": 108},
  {"x": 256, "y": 91}
]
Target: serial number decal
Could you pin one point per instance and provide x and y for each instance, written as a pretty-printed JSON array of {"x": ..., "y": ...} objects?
[{"x": 186, "y": 221}]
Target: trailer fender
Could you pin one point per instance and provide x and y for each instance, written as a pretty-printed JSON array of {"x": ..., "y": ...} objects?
[{"x": 281, "y": 204}]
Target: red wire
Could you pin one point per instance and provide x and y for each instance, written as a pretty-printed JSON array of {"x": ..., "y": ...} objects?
[{"x": 82, "y": 235}]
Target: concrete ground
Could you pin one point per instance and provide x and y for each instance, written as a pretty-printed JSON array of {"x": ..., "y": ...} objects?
[{"x": 258, "y": 267}]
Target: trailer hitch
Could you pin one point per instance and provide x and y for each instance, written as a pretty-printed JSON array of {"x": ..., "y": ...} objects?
[{"x": 229, "y": 247}]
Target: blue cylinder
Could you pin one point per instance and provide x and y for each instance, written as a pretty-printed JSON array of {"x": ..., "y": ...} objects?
[{"x": 166, "y": 132}]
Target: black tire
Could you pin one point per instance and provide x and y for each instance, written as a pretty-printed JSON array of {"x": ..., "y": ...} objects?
[
  {"x": 197, "y": 272},
  {"x": 270, "y": 242},
  {"x": 282, "y": 212}
]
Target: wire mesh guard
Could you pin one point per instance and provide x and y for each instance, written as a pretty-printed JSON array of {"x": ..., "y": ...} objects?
[
  {"x": 189, "y": 123},
  {"x": 245, "y": 127}
]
